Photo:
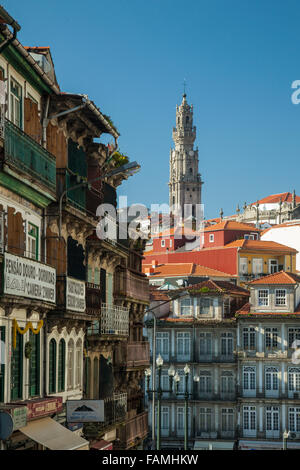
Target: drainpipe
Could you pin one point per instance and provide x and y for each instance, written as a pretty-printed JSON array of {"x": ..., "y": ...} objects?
[{"x": 7, "y": 19}]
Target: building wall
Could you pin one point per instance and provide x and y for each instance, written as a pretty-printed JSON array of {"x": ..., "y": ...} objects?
[{"x": 289, "y": 236}]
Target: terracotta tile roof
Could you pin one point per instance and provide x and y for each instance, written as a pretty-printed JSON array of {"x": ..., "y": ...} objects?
[
  {"x": 232, "y": 225},
  {"x": 261, "y": 245},
  {"x": 281, "y": 277},
  {"x": 179, "y": 231},
  {"x": 245, "y": 310},
  {"x": 184, "y": 269},
  {"x": 221, "y": 287},
  {"x": 158, "y": 295},
  {"x": 274, "y": 198}
]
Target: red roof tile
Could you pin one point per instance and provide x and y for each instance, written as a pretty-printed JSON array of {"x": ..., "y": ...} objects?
[
  {"x": 274, "y": 198},
  {"x": 184, "y": 269},
  {"x": 281, "y": 277},
  {"x": 232, "y": 225},
  {"x": 261, "y": 245}
]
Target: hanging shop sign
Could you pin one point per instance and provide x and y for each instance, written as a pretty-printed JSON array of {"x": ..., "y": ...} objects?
[
  {"x": 27, "y": 278},
  {"x": 75, "y": 295},
  {"x": 85, "y": 411}
]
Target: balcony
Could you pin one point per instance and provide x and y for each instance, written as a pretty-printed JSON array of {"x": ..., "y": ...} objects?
[
  {"x": 132, "y": 286},
  {"x": 135, "y": 429},
  {"x": 133, "y": 354},
  {"x": 25, "y": 154},
  {"x": 93, "y": 299},
  {"x": 114, "y": 321},
  {"x": 258, "y": 392},
  {"x": 115, "y": 409}
]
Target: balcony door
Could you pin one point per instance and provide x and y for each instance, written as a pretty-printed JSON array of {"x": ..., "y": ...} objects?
[
  {"x": 249, "y": 421},
  {"x": 272, "y": 382},
  {"x": 2, "y": 362},
  {"x": 272, "y": 422},
  {"x": 249, "y": 381}
]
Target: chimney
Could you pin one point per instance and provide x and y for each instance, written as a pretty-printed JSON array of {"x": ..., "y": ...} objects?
[
  {"x": 149, "y": 271},
  {"x": 154, "y": 263}
]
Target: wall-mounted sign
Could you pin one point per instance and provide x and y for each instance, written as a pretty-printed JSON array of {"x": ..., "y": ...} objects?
[
  {"x": 27, "y": 278},
  {"x": 85, "y": 411},
  {"x": 42, "y": 407},
  {"x": 75, "y": 295},
  {"x": 18, "y": 414}
]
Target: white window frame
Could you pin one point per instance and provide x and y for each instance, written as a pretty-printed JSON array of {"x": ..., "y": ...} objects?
[
  {"x": 249, "y": 337},
  {"x": 163, "y": 243},
  {"x": 205, "y": 420},
  {"x": 211, "y": 238},
  {"x": 163, "y": 344},
  {"x": 185, "y": 338},
  {"x": 271, "y": 271},
  {"x": 249, "y": 419},
  {"x": 294, "y": 418},
  {"x": 243, "y": 266},
  {"x": 271, "y": 337},
  {"x": 280, "y": 298},
  {"x": 263, "y": 300},
  {"x": 14, "y": 102},
  {"x": 257, "y": 266}
]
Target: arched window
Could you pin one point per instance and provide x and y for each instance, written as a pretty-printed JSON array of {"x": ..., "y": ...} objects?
[
  {"x": 34, "y": 365},
  {"x": 79, "y": 359},
  {"x": 52, "y": 366},
  {"x": 70, "y": 364},
  {"x": 61, "y": 365},
  {"x": 191, "y": 170},
  {"x": 88, "y": 377},
  {"x": 17, "y": 369}
]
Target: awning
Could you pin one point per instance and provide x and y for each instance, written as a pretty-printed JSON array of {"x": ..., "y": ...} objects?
[
  {"x": 214, "y": 445},
  {"x": 101, "y": 445},
  {"x": 53, "y": 435}
]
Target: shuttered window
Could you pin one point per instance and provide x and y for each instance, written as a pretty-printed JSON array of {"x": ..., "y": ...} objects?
[
  {"x": 17, "y": 369},
  {"x": 2, "y": 362},
  {"x": 61, "y": 365},
  {"x": 34, "y": 365},
  {"x": 52, "y": 366}
]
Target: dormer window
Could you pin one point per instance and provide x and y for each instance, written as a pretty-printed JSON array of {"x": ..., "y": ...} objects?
[
  {"x": 263, "y": 297},
  {"x": 280, "y": 297}
]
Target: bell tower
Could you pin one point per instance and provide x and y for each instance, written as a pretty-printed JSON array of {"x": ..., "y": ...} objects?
[{"x": 185, "y": 181}]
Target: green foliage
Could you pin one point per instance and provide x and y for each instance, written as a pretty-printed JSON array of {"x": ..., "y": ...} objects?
[{"x": 120, "y": 159}]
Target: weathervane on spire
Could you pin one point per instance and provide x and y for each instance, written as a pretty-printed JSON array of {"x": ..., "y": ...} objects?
[{"x": 184, "y": 87}]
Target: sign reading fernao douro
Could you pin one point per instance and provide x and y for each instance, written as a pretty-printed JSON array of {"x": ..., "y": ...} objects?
[{"x": 28, "y": 278}]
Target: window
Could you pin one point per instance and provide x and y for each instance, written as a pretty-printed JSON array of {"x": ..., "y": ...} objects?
[
  {"x": 211, "y": 238},
  {"x": 272, "y": 379},
  {"x": 227, "y": 383},
  {"x": 15, "y": 103},
  {"x": 162, "y": 344},
  {"x": 294, "y": 419},
  {"x": 205, "y": 305},
  {"x": 34, "y": 364},
  {"x": 70, "y": 364},
  {"x": 227, "y": 419},
  {"x": 272, "y": 418},
  {"x": 227, "y": 344},
  {"x": 243, "y": 266},
  {"x": 205, "y": 420},
  {"x": 205, "y": 383},
  {"x": 181, "y": 420},
  {"x": 294, "y": 334},
  {"x": 294, "y": 379},
  {"x": 17, "y": 369},
  {"x": 186, "y": 306},
  {"x": 61, "y": 365},
  {"x": 249, "y": 419},
  {"x": 183, "y": 345},
  {"x": 249, "y": 378},
  {"x": 32, "y": 241},
  {"x": 52, "y": 366},
  {"x": 165, "y": 419},
  {"x": 97, "y": 276},
  {"x": 273, "y": 266},
  {"x": 257, "y": 266},
  {"x": 205, "y": 344},
  {"x": 79, "y": 358},
  {"x": 280, "y": 297},
  {"x": 271, "y": 338},
  {"x": 163, "y": 243},
  {"x": 249, "y": 338},
  {"x": 263, "y": 297}
]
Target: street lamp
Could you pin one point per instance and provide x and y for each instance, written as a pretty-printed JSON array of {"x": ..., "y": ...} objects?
[
  {"x": 159, "y": 391},
  {"x": 175, "y": 297},
  {"x": 129, "y": 168}
]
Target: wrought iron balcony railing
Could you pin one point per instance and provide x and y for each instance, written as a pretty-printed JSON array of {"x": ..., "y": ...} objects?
[
  {"x": 25, "y": 154},
  {"x": 114, "y": 320}
]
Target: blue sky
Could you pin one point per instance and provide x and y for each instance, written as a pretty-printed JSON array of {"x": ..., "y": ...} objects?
[{"x": 239, "y": 58}]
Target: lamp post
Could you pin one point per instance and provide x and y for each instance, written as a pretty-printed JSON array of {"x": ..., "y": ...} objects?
[
  {"x": 173, "y": 377},
  {"x": 154, "y": 355}
]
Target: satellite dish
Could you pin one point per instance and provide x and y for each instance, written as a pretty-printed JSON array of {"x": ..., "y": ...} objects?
[{"x": 6, "y": 425}]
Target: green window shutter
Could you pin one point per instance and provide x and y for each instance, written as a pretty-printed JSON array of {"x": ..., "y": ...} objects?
[
  {"x": 2, "y": 366},
  {"x": 61, "y": 365},
  {"x": 52, "y": 366},
  {"x": 109, "y": 278},
  {"x": 34, "y": 365},
  {"x": 17, "y": 369},
  {"x": 90, "y": 274},
  {"x": 97, "y": 276}
]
